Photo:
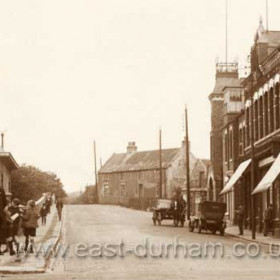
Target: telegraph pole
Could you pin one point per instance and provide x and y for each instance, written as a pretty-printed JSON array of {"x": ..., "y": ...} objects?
[
  {"x": 160, "y": 165},
  {"x": 187, "y": 165},
  {"x": 95, "y": 167}
]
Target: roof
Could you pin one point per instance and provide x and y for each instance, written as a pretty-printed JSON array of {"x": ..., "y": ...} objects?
[
  {"x": 8, "y": 160},
  {"x": 223, "y": 82},
  {"x": 139, "y": 161}
]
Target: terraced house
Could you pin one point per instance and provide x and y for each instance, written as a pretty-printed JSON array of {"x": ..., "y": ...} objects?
[{"x": 133, "y": 178}]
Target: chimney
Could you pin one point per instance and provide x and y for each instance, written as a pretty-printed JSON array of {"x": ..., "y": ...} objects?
[{"x": 131, "y": 148}]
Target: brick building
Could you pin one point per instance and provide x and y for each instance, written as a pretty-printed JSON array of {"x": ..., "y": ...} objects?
[
  {"x": 132, "y": 178},
  {"x": 256, "y": 119}
]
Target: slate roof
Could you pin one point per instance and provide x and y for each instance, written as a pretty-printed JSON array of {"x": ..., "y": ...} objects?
[{"x": 138, "y": 161}]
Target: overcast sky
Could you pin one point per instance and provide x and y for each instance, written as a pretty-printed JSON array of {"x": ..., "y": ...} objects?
[{"x": 114, "y": 71}]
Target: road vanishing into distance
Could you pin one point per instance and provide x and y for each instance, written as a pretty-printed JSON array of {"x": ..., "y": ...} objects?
[{"x": 111, "y": 242}]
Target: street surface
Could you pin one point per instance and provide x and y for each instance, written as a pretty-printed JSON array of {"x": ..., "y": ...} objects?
[{"x": 109, "y": 224}]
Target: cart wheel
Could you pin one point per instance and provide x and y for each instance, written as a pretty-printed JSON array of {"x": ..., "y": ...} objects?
[
  {"x": 213, "y": 231},
  {"x": 159, "y": 219},
  {"x": 191, "y": 227}
]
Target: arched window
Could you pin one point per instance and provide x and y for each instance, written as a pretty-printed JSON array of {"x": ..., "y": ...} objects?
[
  {"x": 271, "y": 109},
  {"x": 276, "y": 105},
  {"x": 265, "y": 109},
  {"x": 261, "y": 117},
  {"x": 247, "y": 116},
  {"x": 256, "y": 120}
]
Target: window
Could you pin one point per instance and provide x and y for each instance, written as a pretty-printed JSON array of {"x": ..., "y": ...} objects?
[
  {"x": 265, "y": 108},
  {"x": 236, "y": 96},
  {"x": 201, "y": 177},
  {"x": 256, "y": 120},
  {"x": 247, "y": 127},
  {"x": 140, "y": 175},
  {"x": 271, "y": 109},
  {"x": 226, "y": 147},
  {"x": 261, "y": 117},
  {"x": 230, "y": 145},
  {"x": 106, "y": 189},
  {"x": 277, "y": 106},
  {"x": 122, "y": 190},
  {"x": 241, "y": 141}
]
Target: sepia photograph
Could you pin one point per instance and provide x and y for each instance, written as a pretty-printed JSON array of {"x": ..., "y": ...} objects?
[{"x": 139, "y": 139}]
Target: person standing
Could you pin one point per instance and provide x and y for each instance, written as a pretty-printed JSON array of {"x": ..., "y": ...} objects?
[
  {"x": 30, "y": 218},
  {"x": 240, "y": 213},
  {"x": 59, "y": 206},
  {"x": 268, "y": 219},
  {"x": 3, "y": 228},
  {"x": 12, "y": 214},
  {"x": 48, "y": 203},
  {"x": 43, "y": 214}
]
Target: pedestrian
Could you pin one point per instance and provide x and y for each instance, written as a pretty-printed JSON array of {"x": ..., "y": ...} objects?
[
  {"x": 59, "y": 206},
  {"x": 3, "y": 228},
  {"x": 30, "y": 219},
  {"x": 43, "y": 214},
  {"x": 268, "y": 219},
  {"x": 12, "y": 215},
  {"x": 240, "y": 213},
  {"x": 48, "y": 203}
]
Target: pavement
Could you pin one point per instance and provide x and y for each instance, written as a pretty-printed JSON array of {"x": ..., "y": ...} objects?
[
  {"x": 233, "y": 231},
  {"x": 46, "y": 236}
]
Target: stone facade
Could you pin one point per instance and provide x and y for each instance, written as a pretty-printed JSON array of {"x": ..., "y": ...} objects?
[{"x": 132, "y": 179}]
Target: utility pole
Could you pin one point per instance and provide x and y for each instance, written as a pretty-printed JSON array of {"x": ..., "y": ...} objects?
[
  {"x": 187, "y": 165},
  {"x": 95, "y": 167},
  {"x": 253, "y": 225},
  {"x": 160, "y": 165}
]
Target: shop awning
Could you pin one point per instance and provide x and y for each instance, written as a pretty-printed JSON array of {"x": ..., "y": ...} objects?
[
  {"x": 236, "y": 175},
  {"x": 269, "y": 177}
]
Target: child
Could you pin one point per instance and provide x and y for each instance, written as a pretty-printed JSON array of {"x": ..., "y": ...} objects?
[
  {"x": 12, "y": 213},
  {"x": 43, "y": 213},
  {"x": 30, "y": 219}
]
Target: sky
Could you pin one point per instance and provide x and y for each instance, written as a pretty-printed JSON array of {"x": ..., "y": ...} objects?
[{"x": 72, "y": 71}]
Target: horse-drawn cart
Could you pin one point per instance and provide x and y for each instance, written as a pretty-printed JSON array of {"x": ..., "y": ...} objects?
[{"x": 167, "y": 209}]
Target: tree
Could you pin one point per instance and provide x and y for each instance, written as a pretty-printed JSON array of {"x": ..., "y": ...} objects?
[
  {"x": 29, "y": 182},
  {"x": 87, "y": 197}
]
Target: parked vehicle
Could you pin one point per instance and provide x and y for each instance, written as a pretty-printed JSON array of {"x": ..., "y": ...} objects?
[
  {"x": 167, "y": 209},
  {"x": 211, "y": 218}
]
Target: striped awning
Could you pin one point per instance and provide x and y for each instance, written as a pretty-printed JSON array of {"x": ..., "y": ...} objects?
[{"x": 236, "y": 175}]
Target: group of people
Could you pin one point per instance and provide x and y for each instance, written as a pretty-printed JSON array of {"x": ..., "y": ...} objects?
[
  {"x": 268, "y": 219},
  {"x": 15, "y": 218}
]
